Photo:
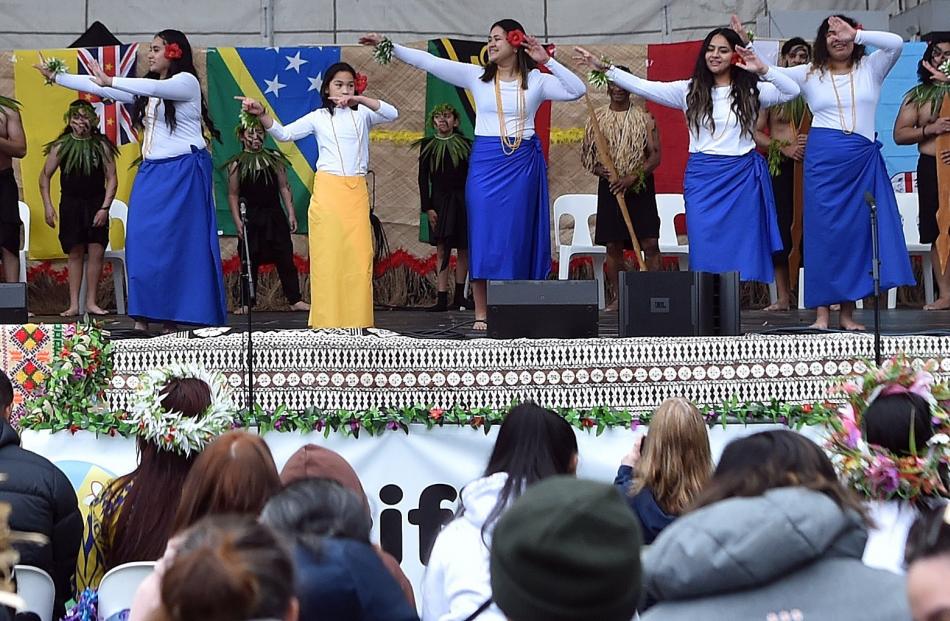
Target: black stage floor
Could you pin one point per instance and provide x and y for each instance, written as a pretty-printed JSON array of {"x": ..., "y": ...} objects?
[{"x": 414, "y": 322}]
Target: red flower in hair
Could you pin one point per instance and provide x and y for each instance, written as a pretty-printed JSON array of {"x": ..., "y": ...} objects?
[
  {"x": 515, "y": 38},
  {"x": 173, "y": 51},
  {"x": 360, "y": 83},
  {"x": 736, "y": 59}
]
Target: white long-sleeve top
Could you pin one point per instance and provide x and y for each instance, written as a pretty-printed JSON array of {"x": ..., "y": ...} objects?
[
  {"x": 342, "y": 136},
  {"x": 560, "y": 85},
  {"x": 728, "y": 138},
  {"x": 158, "y": 139},
  {"x": 818, "y": 88}
]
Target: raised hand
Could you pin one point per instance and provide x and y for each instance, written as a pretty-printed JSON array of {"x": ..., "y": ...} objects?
[
  {"x": 751, "y": 61},
  {"x": 535, "y": 50},
  {"x": 736, "y": 25},
  {"x": 842, "y": 29},
  {"x": 372, "y": 39},
  {"x": 936, "y": 74},
  {"x": 586, "y": 60},
  {"x": 345, "y": 101},
  {"x": 251, "y": 106},
  {"x": 98, "y": 75}
]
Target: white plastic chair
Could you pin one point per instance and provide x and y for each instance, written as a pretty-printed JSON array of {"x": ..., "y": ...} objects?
[
  {"x": 669, "y": 206},
  {"x": 580, "y": 207},
  {"x": 118, "y": 586},
  {"x": 25, "y": 250},
  {"x": 119, "y": 211},
  {"x": 37, "y": 589},
  {"x": 909, "y": 207}
]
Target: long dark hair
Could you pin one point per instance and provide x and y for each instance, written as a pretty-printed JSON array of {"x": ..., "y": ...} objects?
[
  {"x": 923, "y": 75},
  {"x": 533, "y": 444},
  {"x": 822, "y": 57},
  {"x": 328, "y": 76},
  {"x": 176, "y": 65},
  {"x": 767, "y": 460},
  {"x": 525, "y": 62},
  {"x": 137, "y": 515},
  {"x": 745, "y": 93}
]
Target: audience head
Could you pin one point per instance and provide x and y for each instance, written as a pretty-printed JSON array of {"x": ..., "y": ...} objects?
[
  {"x": 6, "y": 396},
  {"x": 228, "y": 568},
  {"x": 308, "y": 510},
  {"x": 312, "y": 461},
  {"x": 234, "y": 474},
  {"x": 533, "y": 444},
  {"x": 768, "y": 460},
  {"x": 891, "y": 419},
  {"x": 928, "y": 565},
  {"x": 567, "y": 550},
  {"x": 676, "y": 461}
]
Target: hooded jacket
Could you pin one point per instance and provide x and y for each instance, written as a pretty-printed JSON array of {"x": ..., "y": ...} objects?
[
  {"x": 790, "y": 553},
  {"x": 42, "y": 500},
  {"x": 457, "y": 579}
]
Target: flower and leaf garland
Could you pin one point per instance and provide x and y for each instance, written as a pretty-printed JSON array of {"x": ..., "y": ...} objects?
[
  {"x": 9, "y": 103},
  {"x": 597, "y": 77},
  {"x": 873, "y": 471},
  {"x": 436, "y": 148},
  {"x": 256, "y": 164},
  {"x": 82, "y": 155},
  {"x": 931, "y": 93},
  {"x": 775, "y": 156},
  {"x": 383, "y": 51},
  {"x": 54, "y": 66}
]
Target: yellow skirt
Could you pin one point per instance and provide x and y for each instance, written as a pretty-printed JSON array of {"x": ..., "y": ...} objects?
[{"x": 341, "y": 253}]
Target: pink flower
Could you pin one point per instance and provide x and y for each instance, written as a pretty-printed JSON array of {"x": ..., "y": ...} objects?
[
  {"x": 850, "y": 388},
  {"x": 851, "y": 429},
  {"x": 883, "y": 474}
]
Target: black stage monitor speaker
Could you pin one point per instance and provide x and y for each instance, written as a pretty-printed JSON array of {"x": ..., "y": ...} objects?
[
  {"x": 679, "y": 304},
  {"x": 13, "y": 303},
  {"x": 563, "y": 309}
]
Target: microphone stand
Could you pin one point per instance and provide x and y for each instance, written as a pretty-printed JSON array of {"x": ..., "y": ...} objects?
[
  {"x": 248, "y": 277},
  {"x": 875, "y": 275}
]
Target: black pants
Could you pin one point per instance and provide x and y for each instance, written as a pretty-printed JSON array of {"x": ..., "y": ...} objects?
[{"x": 282, "y": 257}]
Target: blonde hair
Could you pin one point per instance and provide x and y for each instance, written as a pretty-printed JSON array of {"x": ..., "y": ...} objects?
[{"x": 676, "y": 463}]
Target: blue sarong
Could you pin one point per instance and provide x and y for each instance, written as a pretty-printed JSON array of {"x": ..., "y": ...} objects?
[
  {"x": 509, "y": 226},
  {"x": 839, "y": 169},
  {"x": 730, "y": 215},
  {"x": 172, "y": 251}
]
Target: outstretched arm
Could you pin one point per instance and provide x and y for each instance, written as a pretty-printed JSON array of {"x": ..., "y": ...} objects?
[
  {"x": 672, "y": 94},
  {"x": 455, "y": 73},
  {"x": 302, "y": 127},
  {"x": 84, "y": 84}
]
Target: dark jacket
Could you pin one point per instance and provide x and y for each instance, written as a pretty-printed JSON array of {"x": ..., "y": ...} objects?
[
  {"x": 791, "y": 552},
  {"x": 42, "y": 500},
  {"x": 346, "y": 581},
  {"x": 652, "y": 518}
]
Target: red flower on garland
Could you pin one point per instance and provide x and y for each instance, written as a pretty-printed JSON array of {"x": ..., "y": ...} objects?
[
  {"x": 587, "y": 423},
  {"x": 515, "y": 38},
  {"x": 173, "y": 51},
  {"x": 360, "y": 83},
  {"x": 436, "y": 413},
  {"x": 73, "y": 429},
  {"x": 807, "y": 408}
]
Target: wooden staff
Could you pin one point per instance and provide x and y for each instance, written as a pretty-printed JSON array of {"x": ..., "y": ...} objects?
[
  {"x": 603, "y": 154},
  {"x": 798, "y": 199},
  {"x": 943, "y": 189}
]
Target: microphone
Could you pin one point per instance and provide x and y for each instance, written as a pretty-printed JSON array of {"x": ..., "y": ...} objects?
[
  {"x": 869, "y": 199},
  {"x": 243, "y": 207}
]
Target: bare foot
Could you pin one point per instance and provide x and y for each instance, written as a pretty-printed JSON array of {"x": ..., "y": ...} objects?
[
  {"x": 141, "y": 325},
  {"x": 480, "y": 325},
  {"x": 300, "y": 306},
  {"x": 169, "y": 327},
  {"x": 940, "y": 303},
  {"x": 778, "y": 306},
  {"x": 93, "y": 309},
  {"x": 241, "y": 310},
  {"x": 613, "y": 306},
  {"x": 72, "y": 311},
  {"x": 851, "y": 324},
  {"x": 820, "y": 324}
]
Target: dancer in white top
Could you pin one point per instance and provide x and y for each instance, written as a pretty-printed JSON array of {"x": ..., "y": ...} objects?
[
  {"x": 341, "y": 240},
  {"x": 506, "y": 193},
  {"x": 172, "y": 250},
  {"x": 730, "y": 209},
  {"x": 843, "y": 164}
]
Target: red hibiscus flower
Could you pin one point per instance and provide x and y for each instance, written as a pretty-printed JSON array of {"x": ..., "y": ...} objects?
[
  {"x": 360, "y": 83},
  {"x": 173, "y": 51},
  {"x": 807, "y": 408},
  {"x": 736, "y": 59},
  {"x": 515, "y": 38}
]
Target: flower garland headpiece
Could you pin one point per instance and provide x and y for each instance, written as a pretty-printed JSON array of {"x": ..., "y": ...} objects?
[
  {"x": 173, "y": 431},
  {"x": 878, "y": 473}
]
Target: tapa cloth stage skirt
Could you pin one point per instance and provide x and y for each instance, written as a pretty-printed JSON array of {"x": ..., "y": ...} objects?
[
  {"x": 172, "y": 251},
  {"x": 730, "y": 215},
  {"x": 341, "y": 253},
  {"x": 509, "y": 224},
  {"x": 839, "y": 169}
]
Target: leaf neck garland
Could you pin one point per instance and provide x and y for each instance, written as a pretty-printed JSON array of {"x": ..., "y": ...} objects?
[
  {"x": 931, "y": 94},
  {"x": 82, "y": 154},
  {"x": 10, "y": 104},
  {"x": 792, "y": 111},
  {"x": 436, "y": 148},
  {"x": 255, "y": 165}
]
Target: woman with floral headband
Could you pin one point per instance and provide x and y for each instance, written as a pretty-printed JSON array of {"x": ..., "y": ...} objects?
[
  {"x": 843, "y": 164},
  {"x": 341, "y": 236},
  {"x": 443, "y": 168},
  {"x": 85, "y": 158},
  {"x": 506, "y": 195},
  {"x": 172, "y": 251},
  {"x": 177, "y": 412},
  {"x": 729, "y": 204}
]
